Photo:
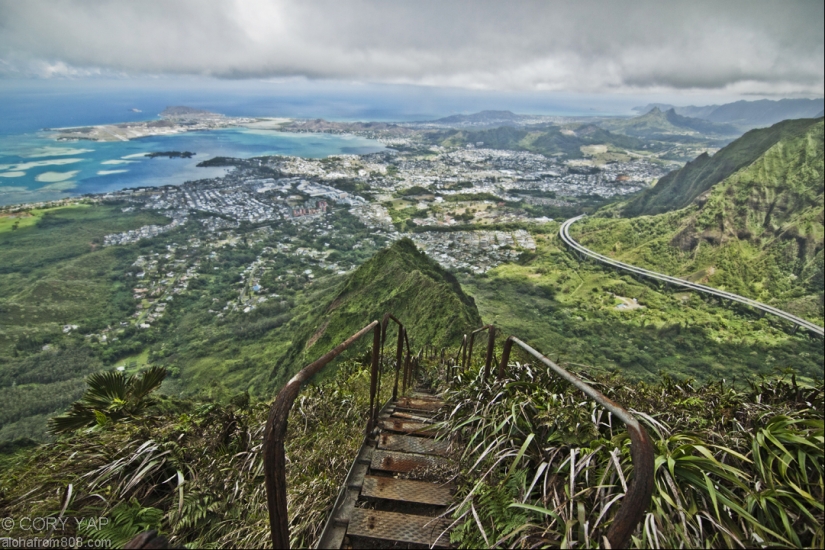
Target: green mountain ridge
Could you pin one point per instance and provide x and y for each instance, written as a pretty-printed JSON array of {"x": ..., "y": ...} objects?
[
  {"x": 758, "y": 231},
  {"x": 681, "y": 187},
  {"x": 400, "y": 280}
]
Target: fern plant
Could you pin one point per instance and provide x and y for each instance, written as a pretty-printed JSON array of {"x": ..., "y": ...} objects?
[{"x": 126, "y": 520}]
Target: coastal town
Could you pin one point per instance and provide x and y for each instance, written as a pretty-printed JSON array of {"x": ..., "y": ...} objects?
[
  {"x": 395, "y": 195},
  {"x": 391, "y": 193}
]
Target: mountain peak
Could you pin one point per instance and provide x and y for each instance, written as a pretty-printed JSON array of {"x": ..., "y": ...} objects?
[{"x": 400, "y": 280}]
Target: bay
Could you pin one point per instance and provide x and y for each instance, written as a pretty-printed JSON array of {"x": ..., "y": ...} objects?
[{"x": 34, "y": 167}]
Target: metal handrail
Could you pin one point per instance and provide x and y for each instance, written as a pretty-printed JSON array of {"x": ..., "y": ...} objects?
[
  {"x": 402, "y": 339},
  {"x": 797, "y": 321},
  {"x": 491, "y": 342},
  {"x": 275, "y": 432},
  {"x": 640, "y": 489}
]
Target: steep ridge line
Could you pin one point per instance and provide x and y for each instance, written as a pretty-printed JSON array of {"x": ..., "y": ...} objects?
[{"x": 569, "y": 241}]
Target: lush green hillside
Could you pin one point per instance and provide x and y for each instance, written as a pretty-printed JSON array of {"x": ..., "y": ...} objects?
[
  {"x": 656, "y": 124},
  {"x": 583, "y": 313},
  {"x": 193, "y": 470},
  {"x": 679, "y": 188},
  {"x": 758, "y": 233},
  {"x": 54, "y": 272},
  {"x": 400, "y": 280},
  {"x": 544, "y": 467}
]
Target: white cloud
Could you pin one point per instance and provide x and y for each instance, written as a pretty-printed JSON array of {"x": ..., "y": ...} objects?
[{"x": 584, "y": 46}]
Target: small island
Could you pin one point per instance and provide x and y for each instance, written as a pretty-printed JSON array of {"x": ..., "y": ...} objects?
[{"x": 171, "y": 154}]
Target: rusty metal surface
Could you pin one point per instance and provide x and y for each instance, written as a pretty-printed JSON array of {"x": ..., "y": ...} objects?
[
  {"x": 399, "y": 527},
  {"x": 405, "y": 490},
  {"x": 425, "y": 396},
  {"x": 410, "y": 444},
  {"x": 275, "y": 433},
  {"x": 413, "y": 417},
  {"x": 392, "y": 461},
  {"x": 407, "y": 427},
  {"x": 418, "y": 404}
]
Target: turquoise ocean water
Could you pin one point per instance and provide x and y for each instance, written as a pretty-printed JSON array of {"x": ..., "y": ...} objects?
[{"x": 34, "y": 167}]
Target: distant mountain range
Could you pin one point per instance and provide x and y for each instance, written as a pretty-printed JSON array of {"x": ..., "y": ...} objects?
[
  {"x": 483, "y": 117},
  {"x": 546, "y": 140},
  {"x": 658, "y": 124},
  {"x": 747, "y": 114}
]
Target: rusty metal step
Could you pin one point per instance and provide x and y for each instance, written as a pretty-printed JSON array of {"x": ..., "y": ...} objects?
[
  {"x": 405, "y": 490},
  {"x": 411, "y": 444},
  {"x": 393, "y": 526},
  {"x": 422, "y": 395},
  {"x": 407, "y": 427},
  {"x": 418, "y": 404},
  {"x": 413, "y": 417},
  {"x": 392, "y": 461}
]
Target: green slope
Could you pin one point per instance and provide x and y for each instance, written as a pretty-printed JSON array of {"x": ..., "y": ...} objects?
[
  {"x": 400, "y": 280},
  {"x": 758, "y": 232},
  {"x": 681, "y": 187}
]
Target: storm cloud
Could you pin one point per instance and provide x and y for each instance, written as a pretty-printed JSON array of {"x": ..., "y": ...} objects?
[{"x": 751, "y": 47}]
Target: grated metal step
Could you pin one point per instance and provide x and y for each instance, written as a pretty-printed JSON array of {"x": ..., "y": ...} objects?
[
  {"x": 422, "y": 395},
  {"x": 405, "y": 490},
  {"x": 419, "y": 404},
  {"x": 413, "y": 417},
  {"x": 410, "y": 444},
  {"x": 391, "y": 461},
  {"x": 393, "y": 526},
  {"x": 407, "y": 427}
]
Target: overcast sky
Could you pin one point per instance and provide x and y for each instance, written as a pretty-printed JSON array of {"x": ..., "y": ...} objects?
[{"x": 734, "y": 48}]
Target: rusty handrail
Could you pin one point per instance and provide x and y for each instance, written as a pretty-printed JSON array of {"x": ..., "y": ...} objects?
[
  {"x": 275, "y": 431},
  {"x": 640, "y": 489},
  {"x": 491, "y": 342},
  {"x": 402, "y": 339}
]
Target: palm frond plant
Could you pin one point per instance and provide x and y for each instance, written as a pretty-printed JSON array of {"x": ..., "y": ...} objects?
[{"x": 111, "y": 396}]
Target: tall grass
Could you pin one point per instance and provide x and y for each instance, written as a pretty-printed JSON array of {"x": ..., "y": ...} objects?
[{"x": 544, "y": 465}]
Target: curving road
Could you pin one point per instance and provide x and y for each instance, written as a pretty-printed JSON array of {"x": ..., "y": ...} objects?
[{"x": 797, "y": 321}]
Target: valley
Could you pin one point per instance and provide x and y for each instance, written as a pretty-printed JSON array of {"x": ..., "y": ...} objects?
[{"x": 221, "y": 280}]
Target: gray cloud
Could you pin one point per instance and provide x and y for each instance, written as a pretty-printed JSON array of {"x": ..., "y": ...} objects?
[{"x": 737, "y": 47}]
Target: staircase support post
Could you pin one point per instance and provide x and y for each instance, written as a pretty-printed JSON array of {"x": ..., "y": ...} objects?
[
  {"x": 398, "y": 353},
  {"x": 505, "y": 356},
  {"x": 470, "y": 350},
  {"x": 491, "y": 345},
  {"x": 464, "y": 354},
  {"x": 376, "y": 352}
]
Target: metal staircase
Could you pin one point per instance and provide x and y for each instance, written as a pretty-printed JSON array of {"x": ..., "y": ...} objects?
[
  {"x": 398, "y": 488},
  {"x": 393, "y": 495}
]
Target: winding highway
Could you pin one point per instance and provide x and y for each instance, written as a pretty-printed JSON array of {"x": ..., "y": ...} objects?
[{"x": 568, "y": 240}]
